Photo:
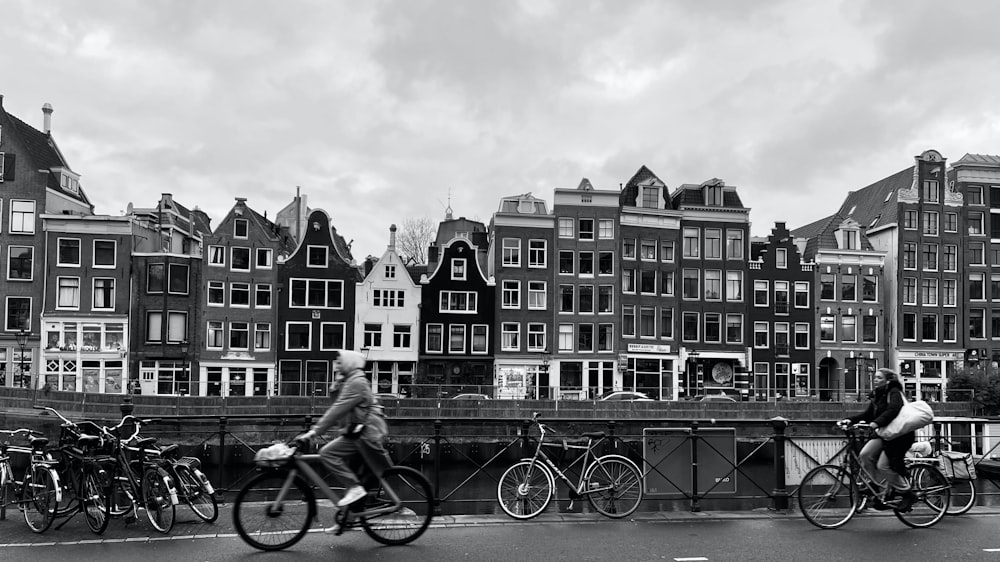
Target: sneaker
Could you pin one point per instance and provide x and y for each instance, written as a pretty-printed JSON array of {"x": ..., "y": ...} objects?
[
  {"x": 906, "y": 501},
  {"x": 353, "y": 494}
]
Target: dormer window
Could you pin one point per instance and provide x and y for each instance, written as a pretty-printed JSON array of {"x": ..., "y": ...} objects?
[
  {"x": 848, "y": 237},
  {"x": 650, "y": 197},
  {"x": 69, "y": 183},
  {"x": 713, "y": 195}
]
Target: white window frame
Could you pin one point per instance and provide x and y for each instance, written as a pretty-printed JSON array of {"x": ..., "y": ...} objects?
[
  {"x": 510, "y": 252},
  {"x": 60, "y": 304},
  {"x": 24, "y": 215},
  {"x": 537, "y": 254},
  {"x": 261, "y": 289},
  {"x": 309, "y": 336},
  {"x": 79, "y": 252},
  {"x": 323, "y": 250},
  {"x": 267, "y": 262},
  {"x": 537, "y": 295},
  {"x": 31, "y": 270},
  {"x": 114, "y": 254},
  {"x": 216, "y": 256},
  {"x": 215, "y": 330},
  {"x": 260, "y": 328},
  {"x": 232, "y": 258},
  {"x": 236, "y": 229},
  {"x": 244, "y": 286},
  {"x": 218, "y": 287},
  {"x": 111, "y": 298},
  {"x": 485, "y": 329},
  {"x": 459, "y": 269},
  {"x": 510, "y": 333}
]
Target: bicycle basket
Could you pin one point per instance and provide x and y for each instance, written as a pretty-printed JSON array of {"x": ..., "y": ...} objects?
[
  {"x": 274, "y": 455},
  {"x": 957, "y": 466}
]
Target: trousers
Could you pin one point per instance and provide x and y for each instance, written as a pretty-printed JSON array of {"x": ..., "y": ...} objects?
[
  {"x": 337, "y": 454},
  {"x": 877, "y": 463}
]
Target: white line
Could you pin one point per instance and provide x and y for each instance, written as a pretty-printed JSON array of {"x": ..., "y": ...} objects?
[
  {"x": 691, "y": 559},
  {"x": 991, "y": 550}
]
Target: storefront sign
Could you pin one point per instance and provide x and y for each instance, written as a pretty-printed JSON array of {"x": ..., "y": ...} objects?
[{"x": 648, "y": 348}]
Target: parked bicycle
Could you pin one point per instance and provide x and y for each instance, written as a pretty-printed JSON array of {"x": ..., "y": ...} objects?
[
  {"x": 831, "y": 494},
  {"x": 275, "y": 509},
  {"x": 10, "y": 487},
  {"x": 611, "y": 483}
]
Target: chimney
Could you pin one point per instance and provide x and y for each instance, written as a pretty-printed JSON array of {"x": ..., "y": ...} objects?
[
  {"x": 392, "y": 237},
  {"x": 47, "y": 118}
]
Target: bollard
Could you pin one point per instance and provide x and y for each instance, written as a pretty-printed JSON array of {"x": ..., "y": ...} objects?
[
  {"x": 695, "y": 505},
  {"x": 437, "y": 467},
  {"x": 780, "y": 493}
]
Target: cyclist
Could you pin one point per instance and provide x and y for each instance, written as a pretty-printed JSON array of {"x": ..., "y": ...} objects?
[
  {"x": 360, "y": 423},
  {"x": 879, "y": 455}
]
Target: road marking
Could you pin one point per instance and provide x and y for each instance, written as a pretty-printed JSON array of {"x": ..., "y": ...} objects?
[
  {"x": 991, "y": 550},
  {"x": 691, "y": 559}
]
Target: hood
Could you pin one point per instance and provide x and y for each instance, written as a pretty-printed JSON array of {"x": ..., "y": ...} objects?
[{"x": 350, "y": 361}]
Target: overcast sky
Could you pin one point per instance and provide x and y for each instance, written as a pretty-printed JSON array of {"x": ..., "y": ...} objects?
[{"x": 379, "y": 109}]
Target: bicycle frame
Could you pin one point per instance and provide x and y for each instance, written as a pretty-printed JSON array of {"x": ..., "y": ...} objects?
[
  {"x": 585, "y": 460},
  {"x": 302, "y": 464}
]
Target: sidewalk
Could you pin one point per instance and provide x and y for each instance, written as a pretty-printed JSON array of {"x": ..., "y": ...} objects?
[{"x": 14, "y": 532}]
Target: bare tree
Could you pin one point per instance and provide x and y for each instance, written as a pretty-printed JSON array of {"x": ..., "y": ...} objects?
[{"x": 414, "y": 237}]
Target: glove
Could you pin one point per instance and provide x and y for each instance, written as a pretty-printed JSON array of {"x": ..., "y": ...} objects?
[
  {"x": 303, "y": 441},
  {"x": 843, "y": 423}
]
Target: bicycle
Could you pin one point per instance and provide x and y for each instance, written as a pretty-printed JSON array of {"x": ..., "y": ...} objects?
[
  {"x": 10, "y": 487},
  {"x": 275, "y": 509},
  {"x": 611, "y": 483},
  {"x": 831, "y": 494},
  {"x": 963, "y": 490}
]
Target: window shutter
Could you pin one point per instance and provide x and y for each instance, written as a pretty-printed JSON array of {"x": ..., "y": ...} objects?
[{"x": 7, "y": 163}]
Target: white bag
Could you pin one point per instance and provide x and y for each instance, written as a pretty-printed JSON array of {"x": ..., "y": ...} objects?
[{"x": 912, "y": 416}]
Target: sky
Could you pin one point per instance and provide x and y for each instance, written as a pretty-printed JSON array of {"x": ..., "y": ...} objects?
[{"x": 380, "y": 111}]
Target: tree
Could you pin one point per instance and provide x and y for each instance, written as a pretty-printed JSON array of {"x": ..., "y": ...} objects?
[
  {"x": 984, "y": 385},
  {"x": 414, "y": 238}
]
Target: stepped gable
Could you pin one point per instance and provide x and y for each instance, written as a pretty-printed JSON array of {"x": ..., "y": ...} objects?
[{"x": 875, "y": 205}]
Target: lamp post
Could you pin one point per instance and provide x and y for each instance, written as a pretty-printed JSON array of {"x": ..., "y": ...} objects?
[
  {"x": 544, "y": 370},
  {"x": 22, "y": 340}
]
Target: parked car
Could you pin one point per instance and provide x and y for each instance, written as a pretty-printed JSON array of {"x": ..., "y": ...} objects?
[
  {"x": 470, "y": 396},
  {"x": 388, "y": 395},
  {"x": 715, "y": 398},
  {"x": 625, "y": 396}
]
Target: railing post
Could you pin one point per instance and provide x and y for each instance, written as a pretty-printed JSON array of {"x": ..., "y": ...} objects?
[
  {"x": 611, "y": 433},
  {"x": 222, "y": 451},
  {"x": 525, "y": 426},
  {"x": 437, "y": 467},
  {"x": 695, "y": 505},
  {"x": 780, "y": 493}
]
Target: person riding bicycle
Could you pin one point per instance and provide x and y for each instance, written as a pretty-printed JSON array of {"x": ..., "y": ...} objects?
[
  {"x": 878, "y": 455},
  {"x": 360, "y": 423}
]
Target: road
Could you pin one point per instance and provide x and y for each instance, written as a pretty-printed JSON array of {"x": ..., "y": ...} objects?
[{"x": 715, "y": 536}]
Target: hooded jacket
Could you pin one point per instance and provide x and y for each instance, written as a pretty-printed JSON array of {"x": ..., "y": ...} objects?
[
  {"x": 354, "y": 403},
  {"x": 883, "y": 405}
]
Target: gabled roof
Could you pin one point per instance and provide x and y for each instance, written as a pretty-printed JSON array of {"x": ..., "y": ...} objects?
[
  {"x": 874, "y": 206},
  {"x": 978, "y": 160},
  {"x": 630, "y": 192},
  {"x": 820, "y": 235},
  {"x": 44, "y": 153},
  {"x": 692, "y": 195}
]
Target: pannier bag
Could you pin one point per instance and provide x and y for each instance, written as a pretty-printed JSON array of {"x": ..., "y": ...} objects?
[{"x": 957, "y": 466}]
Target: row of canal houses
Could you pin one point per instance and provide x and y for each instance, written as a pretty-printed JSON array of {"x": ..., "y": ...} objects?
[{"x": 644, "y": 287}]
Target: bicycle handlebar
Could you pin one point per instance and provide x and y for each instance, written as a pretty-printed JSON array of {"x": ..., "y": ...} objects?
[
  {"x": 56, "y": 412},
  {"x": 15, "y": 432}
]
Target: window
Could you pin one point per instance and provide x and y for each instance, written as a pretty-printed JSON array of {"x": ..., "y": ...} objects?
[
  {"x": 586, "y": 263},
  {"x": 930, "y": 223},
  {"x": 713, "y": 285},
  {"x": 606, "y": 229},
  {"x": 566, "y": 337},
  {"x": 605, "y": 299},
  {"x": 647, "y": 322},
  {"x": 239, "y": 295},
  {"x": 480, "y": 338},
  {"x": 929, "y": 193},
  {"x": 68, "y": 296},
  {"x": 647, "y": 281},
  {"x": 606, "y": 263},
  {"x": 104, "y": 254},
  {"x": 976, "y": 224},
  {"x": 18, "y": 316},
  {"x": 509, "y": 334},
  {"x": 667, "y": 251},
  {"x": 586, "y": 229},
  {"x": 909, "y": 255},
  {"x": 760, "y": 293},
  {"x": 317, "y": 256},
  {"x": 851, "y": 241},
  {"x": 265, "y": 258},
  {"x": 869, "y": 288},
  {"x": 104, "y": 293},
  {"x": 628, "y": 248},
  {"x": 537, "y": 295},
  {"x": 389, "y": 272},
  {"x": 929, "y": 291},
  {"x": 849, "y": 287},
  {"x": 511, "y": 294},
  {"x": 22, "y": 217},
  {"x": 176, "y": 326},
  {"x": 458, "y": 270},
  {"x": 586, "y": 294},
  {"x": 262, "y": 336},
  {"x": 781, "y": 297},
  {"x": 240, "y": 228},
  {"x": 240, "y": 259},
  {"x": 69, "y": 252},
  {"x": 215, "y": 334},
  {"x": 628, "y": 281},
  {"x": 801, "y": 294},
  {"x": 332, "y": 335},
  {"x": 154, "y": 278},
  {"x": 456, "y": 338},
  {"x": 216, "y": 255},
  {"x": 458, "y": 301},
  {"x": 216, "y": 293},
  {"x": 950, "y": 292},
  {"x": 511, "y": 252},
  {"x": 647, "y": 250},
  {"x": 713, "y": 243},
  {"x": 734, "y": 286},
  {"x": 734, "y": 244},
  {"x": 435, "y": 338},
  {"x": 316, "y": 293},
  {"x": 977, "y": 328},
  {"x": 910, "y": 220},
  {"x": 974, "y": 195},
  {"x": 848, "y": 328},
  {"x": 585, "y": 338},
  {"x": 950, "y": 222},
  {"x": 401, "y": 338},
  {"x": 949, "y": 329},
  {"x": 605, "y": 337},
  {"x": 536, "y": 254},
  {"x": 930, "y": 257},
  {"x": 566, "y": 261},
  {"x": 692, "y": 247},
  {"x": 567, "y": 298},
  {"x": 869, "y": 329},
  {"x": 298, "y": 336},
  {"x": 975, "y": 253},
  {"x": 372, "y": 335},
  {"x": 928, "y": 327},
  {"x": 177, "y": 283},
  {"x": 827, "y": 331},
  {"x": 801, "y": 335},
  {"x": 19, "y": 263},
  {"x": 565, "y": 227},
  {"x": 909, "y": 290},
  {"x": 995, "y": 289},
  {"x": 690, "y": 284},
  {"x": 976, "y": 287},
  {"x": 667, "y": 323},
  {"x": 262, "y": 295},
  {"x": 734, "y": 328},
  {"x": 649, "y": 197},
  {"x": 667, "y": 283},
  {"x": 909, "y": 326},
  {"x": 628, "y": 320},
  {"x": 388, "y": 298},
  {"x": 689, "y": 326},
  {"x": 239, "y": 335},
  {"x": 781, "y": 258}
]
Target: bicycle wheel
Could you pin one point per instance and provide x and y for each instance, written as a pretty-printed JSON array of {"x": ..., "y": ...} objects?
[
  {"x": 6, "y": 487},
  {"x": 412, "y": 518},
  {"x": 614, "y": 486},
  {"x": 123, "y": 495},
  {"x": 826, "y": 496},
  {"x": 933, "y": 496},
  {"x": 201, "y": 501},
  {"x": 156, "y": 499},
  {"x": 963, "y": 496},
  {"x": 525, "y": 489},
  {"x": 266, "y": 523},
  {"x": 94, "y": 500},
  {"x": 39, "y": 498}
]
